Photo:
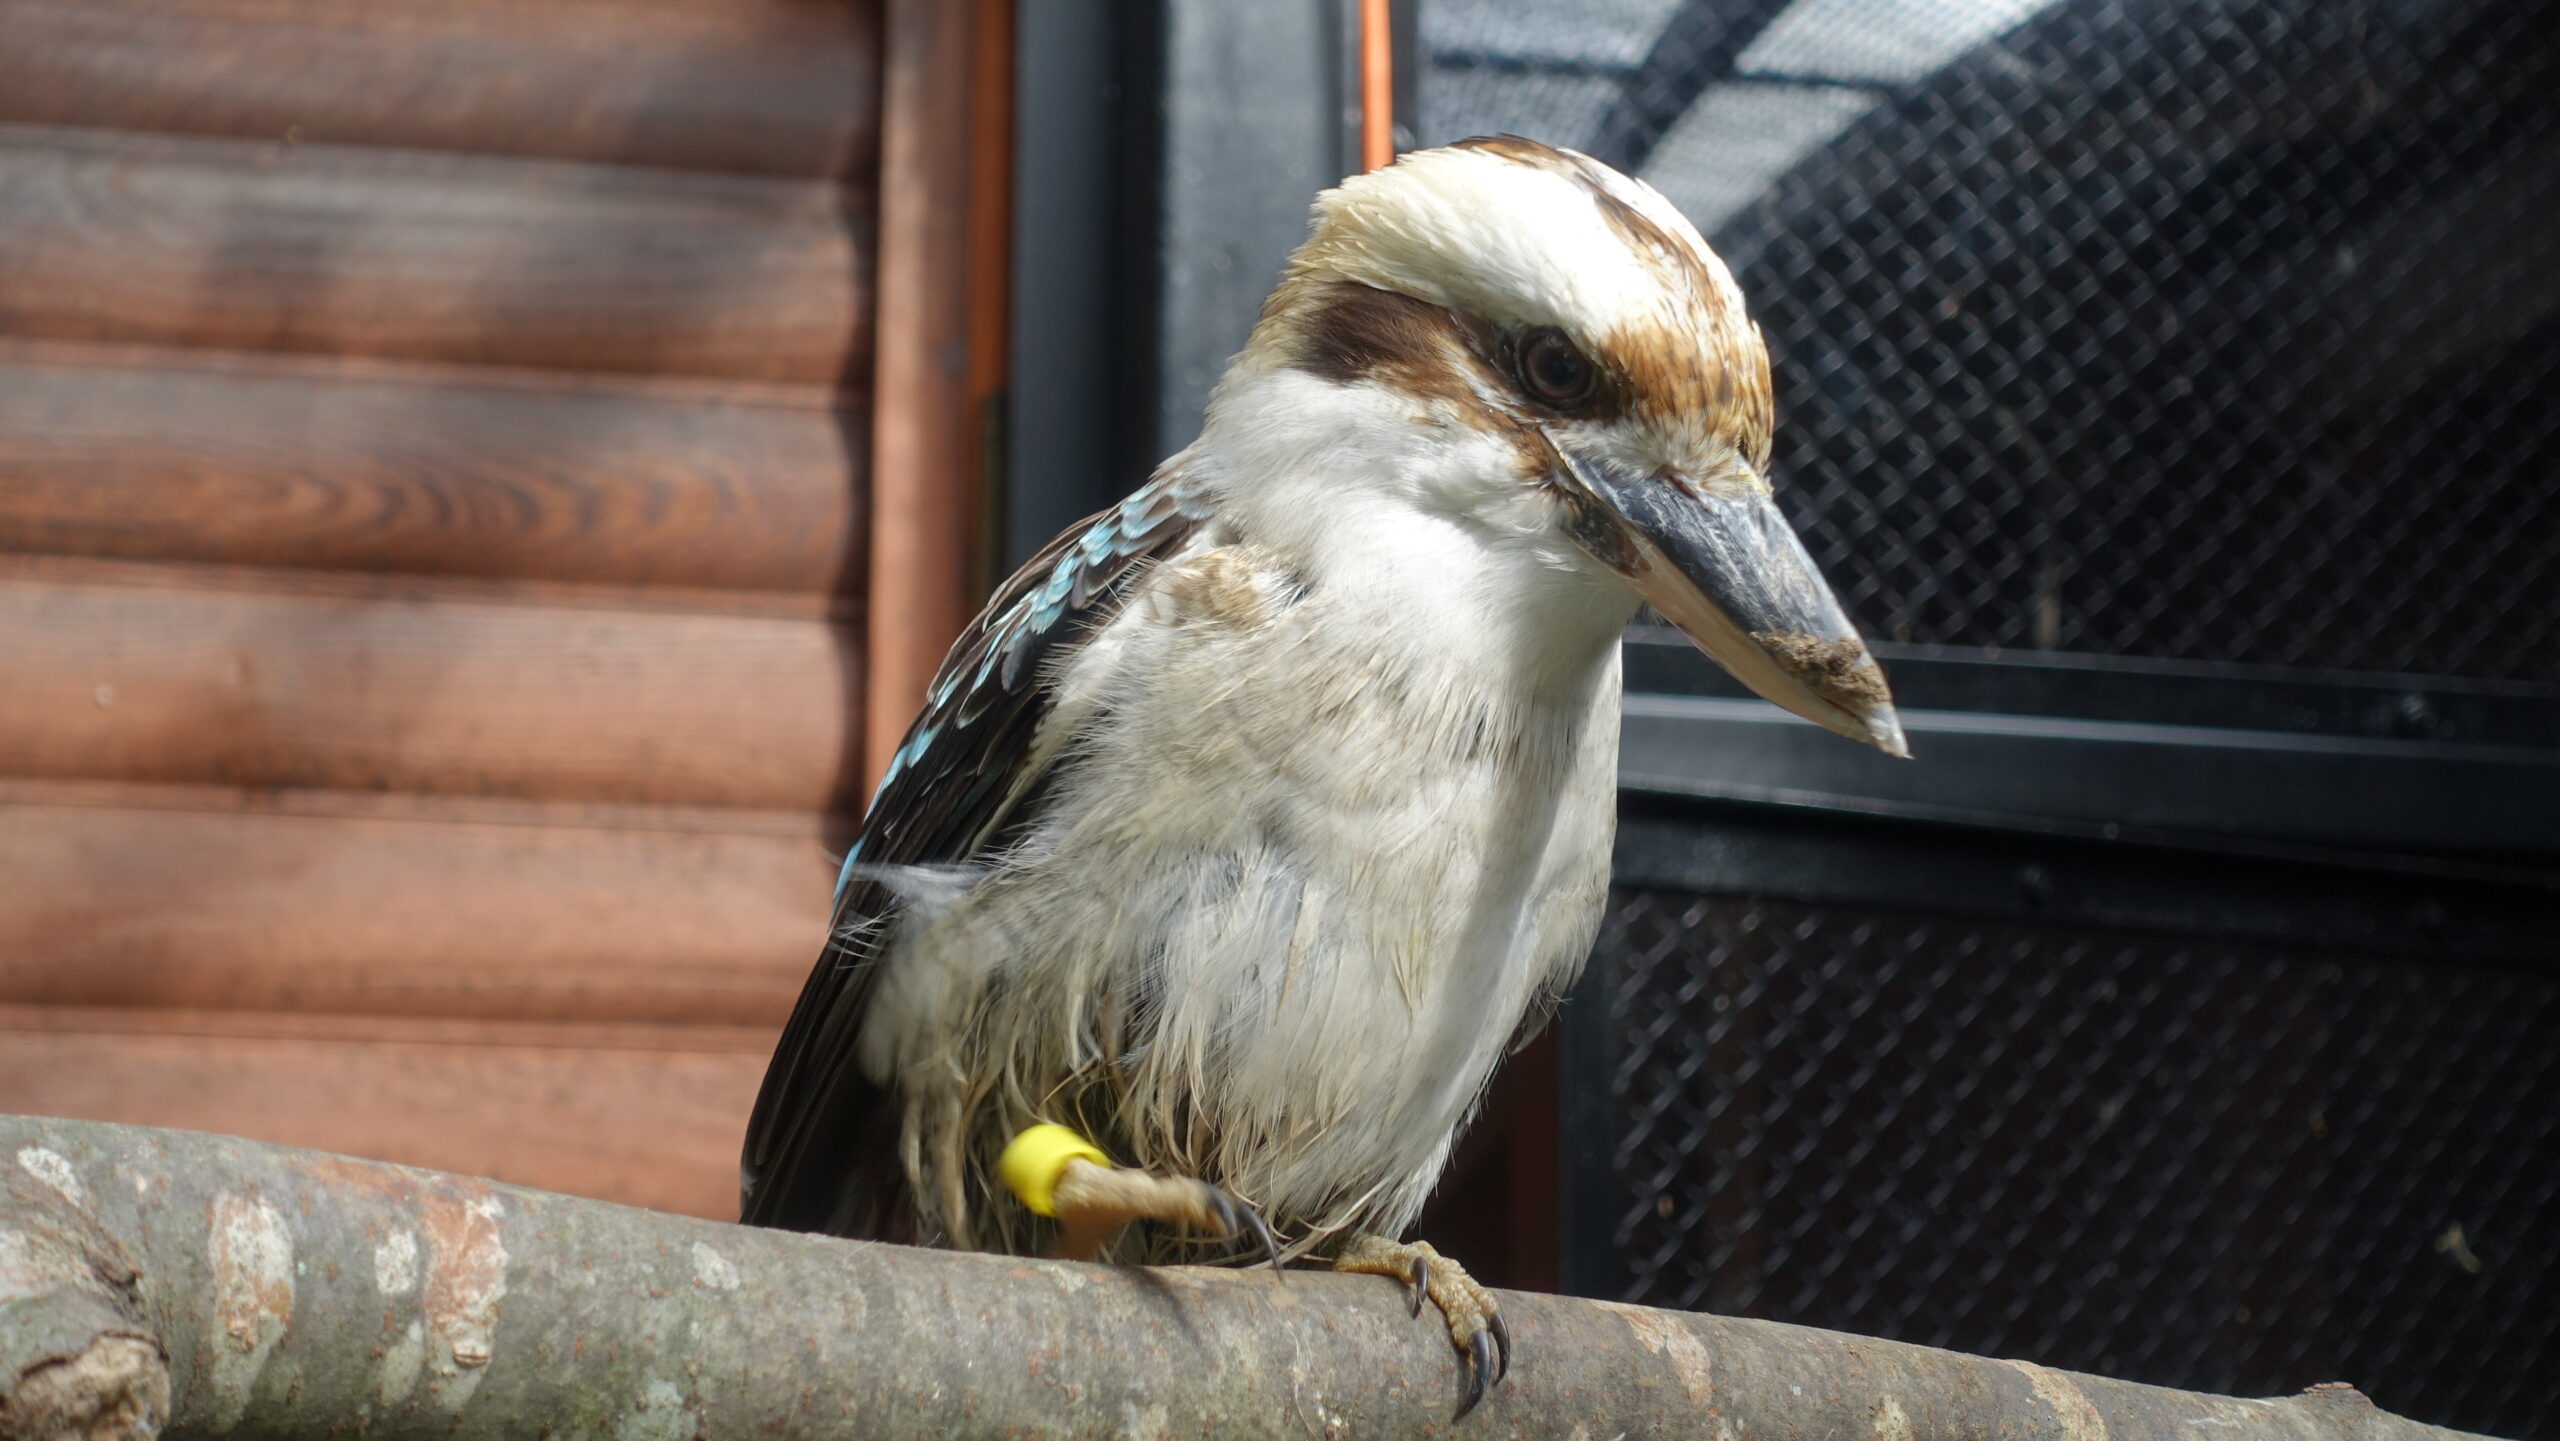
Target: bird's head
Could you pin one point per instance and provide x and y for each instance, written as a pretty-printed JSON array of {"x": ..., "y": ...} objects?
[{"x": 1570, "y": 364}]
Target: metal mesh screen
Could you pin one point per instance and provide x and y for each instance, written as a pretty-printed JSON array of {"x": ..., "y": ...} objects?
[
  {"x": 2219, "y": 330},
  {"x": 2226, "y": 1167},
  {"x": 2211, "y": 329}
]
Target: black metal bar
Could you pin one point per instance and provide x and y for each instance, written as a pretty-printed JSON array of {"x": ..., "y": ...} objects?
[
  {"x": 1897, "y": 864},
  {"x": 2397, "y": 795},
  {"x": 2165, "y": 692},
  {"x": 1086, "y": 172},
  {"x": 2290, "y": 758}
]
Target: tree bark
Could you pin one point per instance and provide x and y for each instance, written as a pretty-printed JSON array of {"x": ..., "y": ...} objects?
[{"x": 237, "y": 1289}]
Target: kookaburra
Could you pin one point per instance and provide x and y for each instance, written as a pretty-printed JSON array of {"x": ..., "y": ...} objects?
[{"x": 1255, "y": 820}]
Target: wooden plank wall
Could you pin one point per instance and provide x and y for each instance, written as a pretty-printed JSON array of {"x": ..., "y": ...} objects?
[{"x": 432, "y": 535}]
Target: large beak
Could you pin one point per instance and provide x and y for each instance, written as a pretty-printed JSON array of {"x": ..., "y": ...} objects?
[{"x": 1729, "y": 572}]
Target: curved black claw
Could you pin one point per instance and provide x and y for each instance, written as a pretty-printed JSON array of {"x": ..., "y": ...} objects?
[
  {"x": 1235, "y": 1217},
  {"x": 1502, "y": 1343},
  {"x": 1421, "y": 1282},
  {"x": 1270, "y": 1244},
  {"x": 1480, "y": 1365}
]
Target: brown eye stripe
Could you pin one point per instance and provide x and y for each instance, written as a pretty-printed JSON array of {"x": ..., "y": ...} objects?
[
  {"x": 1716, "y": 377},
  {"x": 1355, "y": 332},
  {"x": 1344, "y": 332}
]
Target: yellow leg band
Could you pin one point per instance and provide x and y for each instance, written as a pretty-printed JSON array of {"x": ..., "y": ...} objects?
[{"x": 1033, "y": 1161}]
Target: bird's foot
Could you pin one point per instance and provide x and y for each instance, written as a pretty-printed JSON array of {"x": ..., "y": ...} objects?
[
  {"x": 1059, "y": 1174},
  {"x": 1093, "y": 1201},
  {"x": 1475, "y": 1324}
]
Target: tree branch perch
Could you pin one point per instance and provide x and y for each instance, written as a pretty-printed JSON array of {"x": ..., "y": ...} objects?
[{"x": 239, "y": 1289}]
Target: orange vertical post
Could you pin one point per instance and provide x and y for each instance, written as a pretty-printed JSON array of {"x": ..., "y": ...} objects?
[{"x": 1377, "y": 87}]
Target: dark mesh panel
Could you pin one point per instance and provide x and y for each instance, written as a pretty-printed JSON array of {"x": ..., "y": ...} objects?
[
  {"x": 2220, "y": 331},
  {"x": 2226, "y": 1167}
]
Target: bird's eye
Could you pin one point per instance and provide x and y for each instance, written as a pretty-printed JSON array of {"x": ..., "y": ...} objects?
[{"x": 1553, "y": 371}]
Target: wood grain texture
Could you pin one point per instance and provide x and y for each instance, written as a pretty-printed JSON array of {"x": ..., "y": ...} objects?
[
  {"x": 150, "y": 673},
  {"x": 782, "y": 87},
  {"x": 645, "y": 1119},
  {"x": 471, "y": 259},
  {"x": 924, "y": 458},
  {"x": 294, "y": 466},
  {"x": 661, "y": 919}
]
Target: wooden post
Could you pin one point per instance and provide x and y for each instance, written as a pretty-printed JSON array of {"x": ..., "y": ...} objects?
[{"x": 938, "y": 349}]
